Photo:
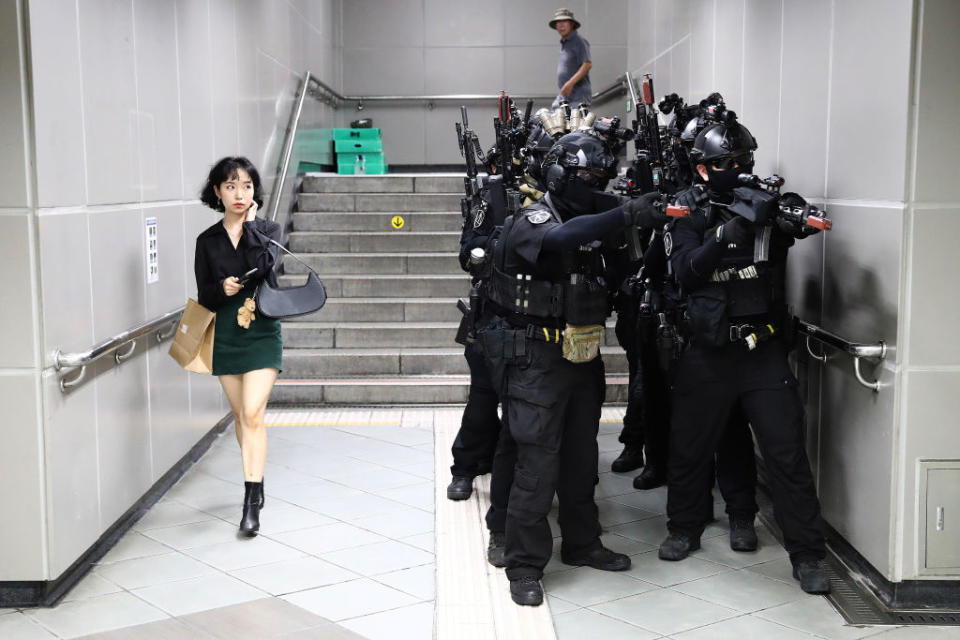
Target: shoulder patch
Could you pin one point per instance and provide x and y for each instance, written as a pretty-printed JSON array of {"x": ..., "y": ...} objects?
[
  {"x": 668, "y": 243},
  {"x": 479, "y": 217},
  {"x": 538, "y": 217}
]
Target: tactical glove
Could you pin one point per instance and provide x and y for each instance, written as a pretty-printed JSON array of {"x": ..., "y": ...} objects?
[
  {"x": 738, "y": 230},
  {"x": 644, "y": 211}
]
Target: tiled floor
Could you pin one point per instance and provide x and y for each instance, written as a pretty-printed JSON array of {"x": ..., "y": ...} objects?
[{"x": 347, "y": 551}]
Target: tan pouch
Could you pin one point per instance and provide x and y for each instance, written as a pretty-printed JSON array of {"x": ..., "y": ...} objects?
[{"x": 582, "y": 344}]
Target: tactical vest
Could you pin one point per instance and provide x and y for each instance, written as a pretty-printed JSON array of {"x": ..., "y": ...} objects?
[{"x": 577, "y": 296}]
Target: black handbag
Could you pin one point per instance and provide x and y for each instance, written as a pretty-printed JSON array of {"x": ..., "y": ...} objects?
[{"x": 290, "y": 302}]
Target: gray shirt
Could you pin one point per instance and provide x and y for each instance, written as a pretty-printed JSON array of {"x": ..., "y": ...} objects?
[{"x": 574, "y": 51}]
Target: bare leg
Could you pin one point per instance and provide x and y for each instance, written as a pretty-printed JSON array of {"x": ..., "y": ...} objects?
[
  {"x": 233, "y": 388},
  {"x": 253, "y": 441}
]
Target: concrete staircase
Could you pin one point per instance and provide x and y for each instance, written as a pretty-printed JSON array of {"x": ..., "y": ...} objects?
[{"x": 386, "y": 333}]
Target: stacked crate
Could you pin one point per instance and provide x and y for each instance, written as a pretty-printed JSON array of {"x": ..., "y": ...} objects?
[{"x": 359, "y": 151}]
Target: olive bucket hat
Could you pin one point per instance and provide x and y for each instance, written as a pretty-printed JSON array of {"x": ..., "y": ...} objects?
[{"x": 563, "y": 14}]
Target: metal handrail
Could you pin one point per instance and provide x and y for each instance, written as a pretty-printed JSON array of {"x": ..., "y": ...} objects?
[
  {"x": 877, "y": 351},
  {"x": 83, "y": 358},
  {"x": 332, "y": 97}
]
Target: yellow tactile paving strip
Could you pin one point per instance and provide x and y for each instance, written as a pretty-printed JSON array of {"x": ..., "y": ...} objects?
[{"x": 473, "y": 598}]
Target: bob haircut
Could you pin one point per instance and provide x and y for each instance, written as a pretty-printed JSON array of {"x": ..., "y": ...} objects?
[{"x": 226, "y": 169}]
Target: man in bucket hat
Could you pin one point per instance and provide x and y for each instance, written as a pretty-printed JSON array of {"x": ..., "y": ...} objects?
[{"x": 573, "y": 69}]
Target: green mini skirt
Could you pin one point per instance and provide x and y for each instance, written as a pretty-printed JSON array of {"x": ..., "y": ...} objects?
[{"x": 237, "y": 349}]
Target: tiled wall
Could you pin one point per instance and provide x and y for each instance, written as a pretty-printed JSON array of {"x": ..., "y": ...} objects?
[
  {"x": 828, "y": 89},
  {"x": 133, "y": 100},
  {"x": 429, "y": 47}
]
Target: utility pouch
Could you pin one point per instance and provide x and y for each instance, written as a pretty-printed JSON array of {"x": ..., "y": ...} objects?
[
  {"x": 582, "y": 344},
  {"x": 464, "y": 331},
  {"x": 707, "y": 313},
  {"x": 585, "y": 303}
]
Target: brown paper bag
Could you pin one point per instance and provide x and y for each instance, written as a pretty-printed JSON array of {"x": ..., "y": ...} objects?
[{"x": 192, "y": 345}]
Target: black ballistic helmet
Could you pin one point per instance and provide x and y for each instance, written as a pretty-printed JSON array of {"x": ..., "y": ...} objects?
[
  {"x": 725, "y": 140},
  {"x": 580, "y": 157}
]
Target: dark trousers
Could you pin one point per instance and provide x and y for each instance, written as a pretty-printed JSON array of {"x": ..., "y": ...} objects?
[
  {"x": 632, "y": 434},
  {"x": 553, "y": 409},
  {"x": 501, "y": 478},
  {"x": 708, "y": 385},
  {"x": 476, "y": 440}
]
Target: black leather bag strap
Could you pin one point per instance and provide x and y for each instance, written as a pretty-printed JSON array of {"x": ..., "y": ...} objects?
[{"x": 285, "y": 250}]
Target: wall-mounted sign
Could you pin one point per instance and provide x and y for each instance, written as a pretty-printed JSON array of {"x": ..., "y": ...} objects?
[{"x": 153, "y": 264}]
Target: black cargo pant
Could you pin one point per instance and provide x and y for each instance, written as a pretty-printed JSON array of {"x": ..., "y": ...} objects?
[
  {"x": 553, "y": 409},
  {"x": 476, "y": 440},
  {"x": 632, "y": 434},
  {"x": 709, "y": 382}
]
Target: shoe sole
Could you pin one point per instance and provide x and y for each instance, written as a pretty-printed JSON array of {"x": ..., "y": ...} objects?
[
  {"x": 646, "y": 487},
  {"x": 617, "y": 469},
  {"x": 532, "y": 603},
  {"x": 593, "y": 566},
  {"x": 459, "y": 495},
  {"x": 814, "y": 592},
  {"x": 693, "y": 547}
]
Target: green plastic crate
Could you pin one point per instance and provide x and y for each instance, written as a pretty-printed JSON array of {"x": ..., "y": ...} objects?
[
  {"x": 373, "y": 163},
  {"x": 357, "y": 145},
  {"x": 356, "y": 134}
]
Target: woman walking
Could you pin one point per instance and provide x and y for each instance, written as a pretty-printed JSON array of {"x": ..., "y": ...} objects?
[{"x": 232, "y": 257}]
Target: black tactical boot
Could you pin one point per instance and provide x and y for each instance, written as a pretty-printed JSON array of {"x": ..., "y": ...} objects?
[
  {"x": 460, "y": 488},
  {"x": 250, "y": 522},
  {"x": 650, "y": 478},
  {"x": 743, "y": 535},
  {"x": 526, "y": 590},
  {"x": 677, "y": 547},
  {"x": 602, "y": 558},
  {"x": 496, "y": 549},
  {"x": 812, "y": 576},
  {"x": 629, "y": 459}
]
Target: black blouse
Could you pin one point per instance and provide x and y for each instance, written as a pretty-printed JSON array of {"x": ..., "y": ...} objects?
[{"x": 216, "y": 259}]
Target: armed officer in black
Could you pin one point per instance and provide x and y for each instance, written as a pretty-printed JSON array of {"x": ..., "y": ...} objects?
[
  {"x": 548, "y": 276},
  {"x": 730, "y": 257}
]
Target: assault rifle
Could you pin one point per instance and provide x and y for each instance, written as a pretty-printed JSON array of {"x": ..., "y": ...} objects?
[{"x": 471, "y": 151}]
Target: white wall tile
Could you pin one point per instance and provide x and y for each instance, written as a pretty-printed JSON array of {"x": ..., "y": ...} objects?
[
  {"x": 761, "y": 80},
  {"x": 463, "y": 70},
  {"x": 862, "y": 273},
  {"x": 17, "y": 325},
  {"x": 383, "y": 71},
  {"x": 71, "y": 460},
  {"x": 159, "y": 99},
  {"x": 938, "y": 136},
  {"x": 449, "y": 23},
  {"x": 857, "y": 425},
  {"x": 532, "y": 70},
  {"x": 728, "y": 52},
  {"x": 528, "y": 22},
  {"x": 224, "y": 81},
  {"x": 640, "y": 38},
  {"x": 934, "y": 314},
  {"x": 372, "y": 23},
  {"x": 196, "y": 110},
  {"x": 173, "y": 432},
  {"x": 609, "y": 65},
  {"x": 803, "y": 96},
  {"x": 66, "y": 290},
  {"x": 404, "y": 132},
  {"x": 702, "y": 51},
  {"x": 21, "y": 493},
  {"x": 871, "y": 66},
  {"x": 440, "y": 123},
  {"x": 57, "y": 103},
  {"x": 123, "y": 433},
  {"x": 13, "y": 179},
  {"x": 604, "y": 22},
  {"x": 111, "y": 121},
  {"x": 117, "y": 268}
]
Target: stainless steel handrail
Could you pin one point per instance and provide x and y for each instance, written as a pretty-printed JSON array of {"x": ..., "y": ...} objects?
[
  {"x": 876, "y": 351},
  {"x": 83, "y": 358},
  {"x": 331, "y": 96}
]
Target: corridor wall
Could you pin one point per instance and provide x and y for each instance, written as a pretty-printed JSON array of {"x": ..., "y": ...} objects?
[{"x": 121, "y": 107}]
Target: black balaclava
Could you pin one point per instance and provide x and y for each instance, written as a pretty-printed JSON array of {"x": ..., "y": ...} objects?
[{"x": 726, "y": 181}]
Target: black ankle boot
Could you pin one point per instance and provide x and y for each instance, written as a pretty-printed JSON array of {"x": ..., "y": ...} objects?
[
  {"x": 252, "y": 495},
  {"x": 263, "y": 494}
]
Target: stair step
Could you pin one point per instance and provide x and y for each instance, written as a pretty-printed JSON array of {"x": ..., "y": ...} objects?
[
  {"x": 395, "y": 183},
  {"x": 390, "y": 286},
  {"x": 307, "y": 334},
  {"x": 416, "y": 222},
  {"x": 375, "y": 263},
  {"x": 395, "y": 390},
  {"x": 320, "y": 363},
  {"x": 373, "y": 242},
  {"x": 381, "y": 202},
  {"x": 387, "y": 309}
]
